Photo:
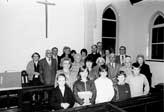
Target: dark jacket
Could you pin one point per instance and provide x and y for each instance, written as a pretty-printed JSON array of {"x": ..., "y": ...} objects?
[
  {"x": 79, "y": 86},
  {"x": 57, "y": 98},
  {"x": 47, "y": 72}
]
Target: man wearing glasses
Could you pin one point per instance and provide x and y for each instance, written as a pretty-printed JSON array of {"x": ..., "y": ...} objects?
[{"x": 122, "y": 54}]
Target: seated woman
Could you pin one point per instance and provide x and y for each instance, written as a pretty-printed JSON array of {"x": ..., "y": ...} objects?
[
  {"x": 70, "y": 78},
  {"x": 92, "y": 73},
  {"x": 84, "y": 89},
  {"x": 104, "y": 86},
  {"x": 127, "y": 67},
  {"x": 100, "y": 61},
  {"x": 144, "y": 68},
  {"x": 62, "y": 96},
  {"x": 122, "y": 88}
]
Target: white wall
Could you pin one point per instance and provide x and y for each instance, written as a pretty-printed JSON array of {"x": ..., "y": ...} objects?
[
  {"x": 75, "y": 23},
  {"x": 133, "y": 28},
  {"x": 22, "y": 29}
]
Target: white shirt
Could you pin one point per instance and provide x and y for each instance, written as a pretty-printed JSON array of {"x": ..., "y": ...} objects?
[
  {"x": 48, "y": 60},
  {"x": 122, "y": 59},
  {"x": 105, "y": 90}
]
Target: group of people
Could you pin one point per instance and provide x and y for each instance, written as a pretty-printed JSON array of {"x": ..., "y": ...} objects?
[{"x": 83, "y": 79}]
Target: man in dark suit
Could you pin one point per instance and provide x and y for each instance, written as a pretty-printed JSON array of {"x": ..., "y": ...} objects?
[
  {"x": 47, "y": 69},
  {"x": 113, "y": 68},
  {"x": 56, "y": 57},
  {"x": 120, "y": 59},
  {"x": 94, "y": 55}
]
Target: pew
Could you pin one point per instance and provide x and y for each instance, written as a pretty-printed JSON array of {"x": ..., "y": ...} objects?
[{"x": 148, "y": 103}]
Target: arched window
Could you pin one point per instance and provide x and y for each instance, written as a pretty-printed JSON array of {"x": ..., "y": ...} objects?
[
  {"x": 109, "y": 28},
  {"x": 156, "y": 44}
]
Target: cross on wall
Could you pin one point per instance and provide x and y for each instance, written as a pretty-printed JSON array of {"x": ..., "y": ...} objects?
[{"x": 46, "y": 4}]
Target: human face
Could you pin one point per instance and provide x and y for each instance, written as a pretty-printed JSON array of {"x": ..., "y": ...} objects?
[
  {"x": 99, "y": 45},
  {"x": 67, "y": 51},
  {"x": 107, "y": 52},
  {"x": 89, "y": 64},
  {"x": 83, "y": 54},
  {"x": 103, "y": 73},
  {"x": 66, "y": 64},
  {"x": 35, "y": 57},
  {"x": 140, "y": 60},
  {"x": 121, "y": 78},
  {"x": 94, "y": 49},
  {"x": 122, "y": 51},
  {"x": 84, "y": 74},
  {"x": 127, "y": 61},
  {"x": 101, "y": 62},
  {"x": 61, "y": 81},
  {"x": 77, "y": 58},
  {"x": 136, "y": 71},
  {"x": 55, "y": 52},
  {"x": 48, "y": 53},
  {"x": 112, "y": 57}
]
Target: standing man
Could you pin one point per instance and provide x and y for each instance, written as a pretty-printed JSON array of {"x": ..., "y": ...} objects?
[
  {"x": 120, "y": 59},
  {"x": 94, "y": 55},
  {"x": 100, "y": 49},
  {"x": 47, "y": 69},
  {"x": 56, "y": 57}
]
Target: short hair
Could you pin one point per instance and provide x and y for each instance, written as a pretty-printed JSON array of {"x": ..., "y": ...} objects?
[
  {"x": 35, "y": 53},
  {"x": 84, "y": 50},
  {"x": 140, "y": 56},
  {"x": 99, "y": 42},
  {"x": 123, "y": 47},
  {"x": 89, "y": 59},
  {"x": 54, "y": 48},
  {"x": 136, "y": 65},
  {"x": 121, "y": 73},
  {"x": 81, "y": 69},
  {"x": 103, "y": 68},
  {"x": 111, "y": 50},
  {"x": 94, "y": 45},
  {"x": 100, "y": 59},
  {"x": 66, "y": 59},
  {"x": 61, "y": 74},
  {"x": 73, "y": 51}
]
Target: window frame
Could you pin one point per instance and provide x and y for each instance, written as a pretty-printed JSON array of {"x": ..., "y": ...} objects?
[
  {"x": 117, "y": 27},
  {"x": 151, "y": 26}
]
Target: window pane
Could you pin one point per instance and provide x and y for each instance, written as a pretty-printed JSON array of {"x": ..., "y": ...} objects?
[
  {"x": 158, "y": 51},
  {"x": 158, "y": 35},
  {"x": 108, "y": 28},
  {"x": 109, "y": 14},
  {"x": 108, "y": 43},
  {"x": 159, "y": 20}
]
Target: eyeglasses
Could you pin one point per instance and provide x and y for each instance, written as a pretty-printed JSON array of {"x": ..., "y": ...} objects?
[{"x": 122, "y": 49}]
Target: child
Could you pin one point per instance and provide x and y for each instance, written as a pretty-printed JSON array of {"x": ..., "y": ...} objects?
[
  {"x": 62, "y": 96},
  {"x": 104, "y": 86},
  {"x": 122, "y": 88},
  {"x": 138, "y": 82},
  {"x": 84, "y": 89}
]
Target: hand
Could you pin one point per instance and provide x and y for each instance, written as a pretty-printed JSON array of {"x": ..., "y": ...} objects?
[
  {"x": 82, "y": 102},
  {"x": 36, "y": 74},
  {"x": 65, "y": 105}
]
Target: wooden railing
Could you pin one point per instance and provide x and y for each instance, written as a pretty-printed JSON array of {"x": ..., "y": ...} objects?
[{"x": 149, "y": 103}]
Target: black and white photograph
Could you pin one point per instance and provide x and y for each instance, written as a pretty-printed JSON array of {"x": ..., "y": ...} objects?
[{"x": 82, "y": 56}]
